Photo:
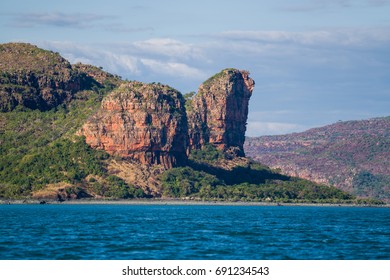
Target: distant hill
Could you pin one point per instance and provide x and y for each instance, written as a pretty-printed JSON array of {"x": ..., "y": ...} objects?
[{"x": 353, "y": 156}]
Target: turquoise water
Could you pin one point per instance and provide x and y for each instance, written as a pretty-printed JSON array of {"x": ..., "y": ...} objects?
[{"x": 192, "y": 232}]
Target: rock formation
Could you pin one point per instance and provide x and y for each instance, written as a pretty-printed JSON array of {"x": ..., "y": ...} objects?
[
  {"x": 144, "y": 122},
  {"x": 218, "y": 113},
  {"x": 148, "y": 122}
]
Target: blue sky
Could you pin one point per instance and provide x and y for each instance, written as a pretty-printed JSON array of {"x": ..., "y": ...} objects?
[{"x": 314, "y": 62}]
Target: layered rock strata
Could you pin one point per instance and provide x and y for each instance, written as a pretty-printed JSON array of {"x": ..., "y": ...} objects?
[
  {"x": 218, "y": 113},
  {"x": 143, "y": 122},
  {"x": 148, "y": 122}
]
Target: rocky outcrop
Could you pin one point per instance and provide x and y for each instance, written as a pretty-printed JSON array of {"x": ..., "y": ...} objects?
[
  {"x": 218, "y": 113},
  {"x": 143, "y": 122},
  {"x": 148, "y": 122},
  {"x": 36, "y": 78}
]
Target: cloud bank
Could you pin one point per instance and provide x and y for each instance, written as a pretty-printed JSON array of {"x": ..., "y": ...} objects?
[
  {"x": 344, "y": 71},
  {"x": 57, "y": 19}
]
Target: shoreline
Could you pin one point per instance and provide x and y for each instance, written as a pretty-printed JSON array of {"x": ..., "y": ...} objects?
[{"x": 180, "y": 202}]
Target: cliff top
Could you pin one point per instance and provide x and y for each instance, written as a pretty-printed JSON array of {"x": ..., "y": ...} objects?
[
  {"x": 135, "y": 88},
  {"x": 226, "y": 75}
]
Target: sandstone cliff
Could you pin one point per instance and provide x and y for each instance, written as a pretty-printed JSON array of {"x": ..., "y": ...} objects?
[
  {"x": 148, "y": 122},
  {"x": 218, "y": 113},
  {"x": 144, "y": 122}
]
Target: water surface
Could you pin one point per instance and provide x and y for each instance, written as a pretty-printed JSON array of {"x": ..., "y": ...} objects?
[{"x": 193, "y": 232}]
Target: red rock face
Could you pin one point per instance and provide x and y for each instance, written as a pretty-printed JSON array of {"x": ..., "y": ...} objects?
[
  {"x": 144, "y": 122},
  {"x": 148, "y": 122},
  {"x": 218, "y": 113}
]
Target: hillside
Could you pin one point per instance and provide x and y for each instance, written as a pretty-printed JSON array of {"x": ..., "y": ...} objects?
[
  {"x": 75, "y": 131},
  {"x": 353, "y": 156}
]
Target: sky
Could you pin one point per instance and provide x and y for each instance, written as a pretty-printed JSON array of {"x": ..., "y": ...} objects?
[{"x": 314, "y": 62}]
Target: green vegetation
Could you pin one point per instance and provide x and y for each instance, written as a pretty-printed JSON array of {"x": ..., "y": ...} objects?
[
  {"x": 219, "y": 75},
  {"x": 203, "y": 179},
  {"x": 63, "y": 160},
  {"x": 184, "y": 181},
  {"x": 208, "y": 154},
  {"x": 187, "y": 182},
  {"x": 24, "y": 57},
  {"x": 188, "y": 101},
  {"x": 366, "y": 184},
  {"x": 115, "y": 187}
]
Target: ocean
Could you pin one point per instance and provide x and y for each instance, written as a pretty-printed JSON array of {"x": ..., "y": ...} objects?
[{"x": 186, "y": 232}]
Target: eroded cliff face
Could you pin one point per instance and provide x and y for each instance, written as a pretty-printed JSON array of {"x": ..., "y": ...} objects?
[
  {"x": 143, "y": 122},
  {"x": 218, "y": 113},
  {"x": 148, "y": 122}
]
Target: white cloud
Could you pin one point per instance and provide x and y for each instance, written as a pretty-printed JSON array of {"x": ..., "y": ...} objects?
[
  {"x": 379, "y": 3},
  {"x": 57, "y": 19},
  {"x": 114, "y": 62},
  {"x": 308, "y": 73},
  {"x": 343, "y": 37},
  {"x": 172, "y": 69},
  {"x": 320, "y": 5},
  {"x": 167, "y": 47},
  {"x": 100, "y": 22},
  {"x": 123, "y": 61},
  {"x": 117, "y": 27},
  {"x": 120, "y": 62}
]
